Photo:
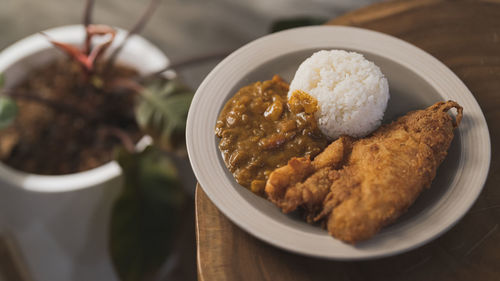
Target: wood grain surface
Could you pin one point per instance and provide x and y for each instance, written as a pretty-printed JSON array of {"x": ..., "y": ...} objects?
[{"x": 465, "y": 35}]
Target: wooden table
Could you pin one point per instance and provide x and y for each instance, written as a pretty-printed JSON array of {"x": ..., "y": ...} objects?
[{"x": 465, "y": 35}]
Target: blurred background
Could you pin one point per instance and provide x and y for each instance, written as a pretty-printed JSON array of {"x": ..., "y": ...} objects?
[{"x": 64, "y": 236}]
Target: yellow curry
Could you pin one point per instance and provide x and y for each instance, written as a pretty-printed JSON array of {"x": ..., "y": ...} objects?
[{"x": 260, "y": 131}]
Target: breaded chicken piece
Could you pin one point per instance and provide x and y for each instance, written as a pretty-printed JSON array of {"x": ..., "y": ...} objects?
[
  {"x": 357, "y": 187},
  {"x": 295, "y": 184}
]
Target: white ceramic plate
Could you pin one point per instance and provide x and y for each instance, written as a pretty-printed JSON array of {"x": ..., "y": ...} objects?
[{"x": 416, "y": 80}]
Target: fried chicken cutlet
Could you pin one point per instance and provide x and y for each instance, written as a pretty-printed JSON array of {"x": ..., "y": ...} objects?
[{"x": 358, "y": 186}]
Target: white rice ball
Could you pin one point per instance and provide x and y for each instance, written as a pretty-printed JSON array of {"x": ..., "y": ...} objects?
[{"x": 352, "y": 92}]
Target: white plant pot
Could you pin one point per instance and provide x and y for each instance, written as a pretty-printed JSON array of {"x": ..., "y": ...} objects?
[{"x": 35, "y": 50}]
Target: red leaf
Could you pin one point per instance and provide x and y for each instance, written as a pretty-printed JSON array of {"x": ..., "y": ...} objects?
[
  {"x": 72, "y": 51},
  {"x": 100, "y": 30},
  {"x": 81, "y": 56}
]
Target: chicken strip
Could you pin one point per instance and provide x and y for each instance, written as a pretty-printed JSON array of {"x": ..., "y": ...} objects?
[
  {"x": 357, "y": 187},
  {"x": 295, "y": 184}
]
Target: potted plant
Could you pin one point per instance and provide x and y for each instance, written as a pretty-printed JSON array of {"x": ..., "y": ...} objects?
[
  {"x": 32, "y": 71},
  {"x": 33, "y": 52},
  {"x": 72, "y": 94}
]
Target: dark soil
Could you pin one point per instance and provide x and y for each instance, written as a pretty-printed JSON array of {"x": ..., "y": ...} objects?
[{"x": 65, "y": 124}]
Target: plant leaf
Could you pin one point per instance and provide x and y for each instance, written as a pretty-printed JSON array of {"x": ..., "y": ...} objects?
[
  {"x": 146, "y": 215},
  {"x": 82, "y": 56},
  {"x": 99, "y": 30},
  {"x": 8, "y": 111},
  {"x": 2, "y": 80},
  {"x": 162, "y": 110},
  {"x": 72, "y": 51},
  {"x": 295, "y": 22}
]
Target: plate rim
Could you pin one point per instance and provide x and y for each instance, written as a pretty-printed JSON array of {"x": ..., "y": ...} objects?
[{"x": 356, "y": 36}]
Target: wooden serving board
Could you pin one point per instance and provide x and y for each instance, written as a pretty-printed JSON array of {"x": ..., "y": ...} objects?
[{"x": 465, "y": 35}]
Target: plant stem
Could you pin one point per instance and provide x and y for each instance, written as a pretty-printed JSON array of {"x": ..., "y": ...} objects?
[
  {"x": 111, "y": 130},
  {"x": 55, "y": 105},
  {"x": 120, "y": 134},
  {"x": 87, "y": 19},
  {"x": 90, "y": 117},
  {"x": 87, "y": 13},
  {"x": 137, "y": 28},
  {"x": 176, "y": 65}
]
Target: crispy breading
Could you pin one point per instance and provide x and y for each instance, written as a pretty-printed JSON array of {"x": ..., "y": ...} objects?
[
  {"x": 359, "y": 186},
  {"x": 287, "y": 187}
]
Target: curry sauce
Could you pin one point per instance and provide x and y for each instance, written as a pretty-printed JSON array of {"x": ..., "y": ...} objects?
[{"x": 260, "y": 131}]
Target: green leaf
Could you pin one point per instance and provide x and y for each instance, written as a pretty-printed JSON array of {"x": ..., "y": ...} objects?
[
  {"x": 2, "y": 80},
  {"x": 146, "y": 215},
  {"x": 162, "y": 110},
  {"x": 295, "y": 22},
  {"x": 8, "y": 112}
]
